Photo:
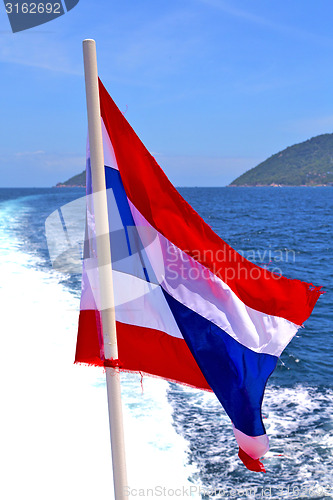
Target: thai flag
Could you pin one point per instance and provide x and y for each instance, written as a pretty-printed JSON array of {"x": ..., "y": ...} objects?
[{"x": 188, "y": 307}]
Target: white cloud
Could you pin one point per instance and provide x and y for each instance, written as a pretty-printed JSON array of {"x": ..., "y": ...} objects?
[
  {"x": 39, "y": 168},
  {"x": 291, "y": 31},
  {"x": 30, "y": 153},
  {"x": 40, "y": 50}
]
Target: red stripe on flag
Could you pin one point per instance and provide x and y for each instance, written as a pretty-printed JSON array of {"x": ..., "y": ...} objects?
[
  {"x": 140, "y": 350},
  {"x": 252, "y": 464},
  {"x": 87, "y": 343},
  {"x": 159, "y": 202}
]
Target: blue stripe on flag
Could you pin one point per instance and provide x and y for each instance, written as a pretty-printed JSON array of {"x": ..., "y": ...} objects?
[
  {"x": 236, "y": 374},
  {"x": 113, "y": 181}
]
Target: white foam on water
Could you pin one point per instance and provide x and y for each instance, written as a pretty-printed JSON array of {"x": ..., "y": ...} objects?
[
  {"x": 54, "y": 430},
  {"x": 299, "y": 464}
]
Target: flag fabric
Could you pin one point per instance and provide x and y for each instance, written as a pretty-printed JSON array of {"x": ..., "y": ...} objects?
[{"x": 189, "y": 308}]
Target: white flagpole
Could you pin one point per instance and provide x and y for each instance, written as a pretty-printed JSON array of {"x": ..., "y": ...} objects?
[{"x": 105, "y": 269}]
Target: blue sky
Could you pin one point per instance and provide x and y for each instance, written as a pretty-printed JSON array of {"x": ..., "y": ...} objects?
[{"x": 212, "y": 87}]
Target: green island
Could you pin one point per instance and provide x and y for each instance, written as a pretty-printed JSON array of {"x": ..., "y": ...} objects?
[
  {"x": 308, "y": 163},
  {"x": 78, "y": 180}
]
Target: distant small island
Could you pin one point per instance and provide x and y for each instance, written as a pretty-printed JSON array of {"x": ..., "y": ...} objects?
[
  {"x": 78, "y": 180},
  {"x": 309, "y": 163}
]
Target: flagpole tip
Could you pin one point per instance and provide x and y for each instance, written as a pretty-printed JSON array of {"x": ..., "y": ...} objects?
[{"x": 88, "y": 41}]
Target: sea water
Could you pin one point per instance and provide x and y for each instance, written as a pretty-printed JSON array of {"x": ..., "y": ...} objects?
[{"x": 54, "y": 425}]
